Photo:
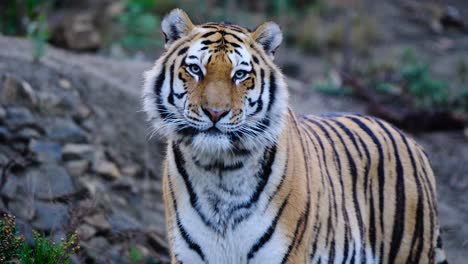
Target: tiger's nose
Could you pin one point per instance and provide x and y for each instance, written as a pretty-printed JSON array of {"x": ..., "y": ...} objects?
[{"x": 214, "y": 114}]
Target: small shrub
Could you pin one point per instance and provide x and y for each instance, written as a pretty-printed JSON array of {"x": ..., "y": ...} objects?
[
  {"x": 11, "y": 243},
  {"x": 13, "y": 247}
]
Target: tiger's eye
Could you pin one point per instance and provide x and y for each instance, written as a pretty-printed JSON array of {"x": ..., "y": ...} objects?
[
  {"x": 240, "y": 74},
  {"x": 195, "y": 69}
]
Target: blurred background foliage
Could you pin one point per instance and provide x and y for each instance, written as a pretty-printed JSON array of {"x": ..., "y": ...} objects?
[{"x": 130, "y": 28}]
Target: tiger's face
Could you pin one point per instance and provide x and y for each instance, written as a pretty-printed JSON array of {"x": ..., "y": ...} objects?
[{"x": 216, "y": 87}]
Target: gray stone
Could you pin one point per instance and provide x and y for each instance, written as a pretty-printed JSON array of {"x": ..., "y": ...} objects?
[
  {"x": 99, "y": 221},
  {"x": 19, "y": 117},
  {"x": 50, "y": 216},
  {"x": 2, "y": 114},
  {"x": 26, "y": 134},
  {"x": 4, "y": 134},
  {"x": 85, "y": 232},
  {"x": 22, "y": 208},
  {"x": 77, "y": 151},
  {"x": 107, "y": 169},
  {"x": 96, "y": 247},
  {"x": 77, "y": 168},
  {"x": 81, "y": 112},
  {"x": 131, "y": 170},
  {"x": 59, "y": 103},
  {"x": 45, "y": 151},
  {"x": 65, "y": 130},
  {"x": 120, "y": 222},
  {"x": 65, "y": 84},
  {"x": 17, "y": 91},
  {"x": 13, "y": 186},
  {"x": 50, "y": 181}
]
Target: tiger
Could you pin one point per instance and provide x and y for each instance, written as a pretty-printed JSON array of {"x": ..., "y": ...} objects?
[{"x": 246, "y": 180}]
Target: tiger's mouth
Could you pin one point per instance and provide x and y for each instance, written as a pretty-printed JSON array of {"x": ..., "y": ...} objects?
[{"x": 213, "y": 130}]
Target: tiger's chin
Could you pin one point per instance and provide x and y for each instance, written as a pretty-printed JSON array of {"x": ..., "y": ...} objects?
[{"x": 212, "y": 143}]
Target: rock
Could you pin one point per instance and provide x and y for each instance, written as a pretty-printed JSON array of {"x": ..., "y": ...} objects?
[
  {"x": 98, "y": 221},
  {"x": 65, "y": 130},
  {"x": 107, "y": 169},
  {"x": 131, "y": 170},
  {"x": 45, "y": 151},
  {"x": 50, "y": 216},
  {"x": 14, "y": 186},
  {"x": 81, "y": 112},
  {"x": 121, "y": 222},
  {"x": 77, "y": 168},
  {"x": 77, "y": 151},
  {"x": 85, "y": 232},
  {"x": 60, "y": 103},
  {"x": 92, "y": 184},
  {"x": 96, "y": 247},
  {"x": 76, "y": 31},
  {"x": 125, "y": 184},
  {"x": 17, "y": 91},
  {"x": 50, "y": 181},
  {"x": 65, "y": 84},
  {"x": 157, "y": 242},
  {"x": 26, "y": 134},
  {"x": 4, "y": 134},
  {"x": 18, "y": 118},
  {"x": 2, "y": 114},
  {"x": 22, "y": 208}
]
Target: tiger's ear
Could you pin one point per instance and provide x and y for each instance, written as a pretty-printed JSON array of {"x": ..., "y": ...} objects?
[
  {"x": 175, "y": 25},
  {"x": 269, "y": 35}
]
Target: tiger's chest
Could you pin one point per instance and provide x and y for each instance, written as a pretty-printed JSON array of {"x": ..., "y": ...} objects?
[
  {"x": 225, "y": 217},
  {"x": 238, "y": 245}
]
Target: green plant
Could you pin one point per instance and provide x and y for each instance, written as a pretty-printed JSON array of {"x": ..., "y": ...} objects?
[
  {"x": 39, "y": 34},
  {"x": 140, "y": 25},
  {"x": 10, "y": 242},
  {"x": 426, "y": 90},
  {"x": 13, "y": 247},
  {"x": 332, "y": 85},
  {"x": 28, "y": 17},
  {"x": 135, "y": 255}
]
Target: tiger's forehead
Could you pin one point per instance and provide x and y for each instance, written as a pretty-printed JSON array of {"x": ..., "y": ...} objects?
[{"x": 215, "y": 41}]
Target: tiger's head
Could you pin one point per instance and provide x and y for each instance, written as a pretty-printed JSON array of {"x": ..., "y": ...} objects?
[{"x": 216, "y": 87}]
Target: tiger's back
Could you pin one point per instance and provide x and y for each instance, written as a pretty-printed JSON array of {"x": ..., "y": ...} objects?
[{"x": 378, "y": 190}]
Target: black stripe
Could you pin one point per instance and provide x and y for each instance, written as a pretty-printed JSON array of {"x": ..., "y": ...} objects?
[
  {"x": 268, "y": 233},
  {"x": 234, "y": 36},
  {"x": 255, "y": 59},
  {"x": 332, "y": 195},
  {"x": 418, "y": 234},
  {"x": 399, "y": 218},
  {"x": 299, "y": 224},
  {"x": 259, "y": 101},
  {"x": 380, "y": 165},
  {"x": 180, "y": 164},
  {"x": 209, "y": 34},
  {"x": 272, "y": 91},
  {"x": 182, "y": 51},
  {"x": 381, "y": 183},
  {"x": 354, "y": 176},
  {"x": 170, "y": 97},
  {"x": 191, "y": 244},
  {"x": 353, "y": 172}
]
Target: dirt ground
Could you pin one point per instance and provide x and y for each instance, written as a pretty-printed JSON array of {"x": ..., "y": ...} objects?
[{"x": 104, "y": 81}]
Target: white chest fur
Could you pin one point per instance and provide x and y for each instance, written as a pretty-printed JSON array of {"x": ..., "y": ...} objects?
[{"x": 225, "y": 215}]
